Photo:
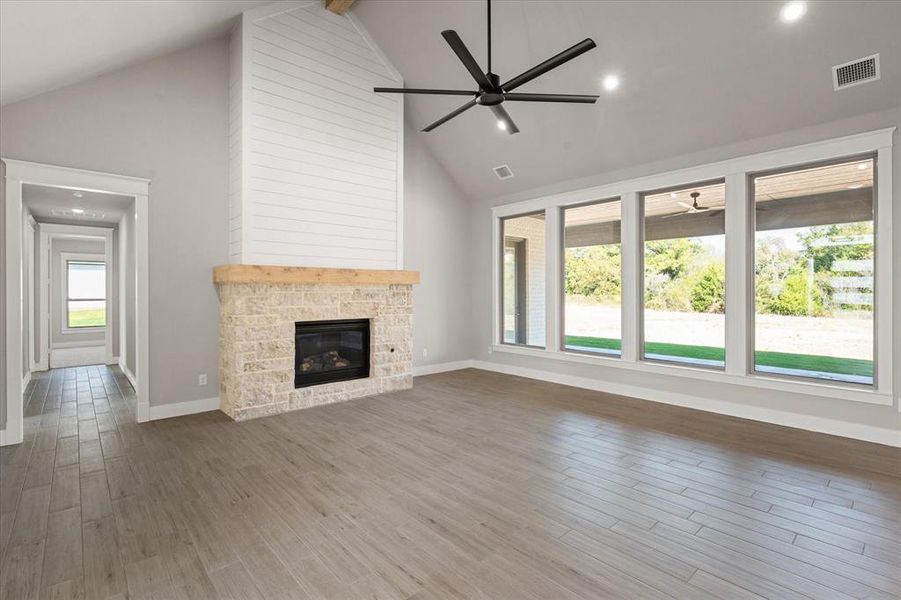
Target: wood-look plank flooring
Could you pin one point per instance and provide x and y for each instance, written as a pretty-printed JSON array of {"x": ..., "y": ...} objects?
[{"x": 470, "y": 485}]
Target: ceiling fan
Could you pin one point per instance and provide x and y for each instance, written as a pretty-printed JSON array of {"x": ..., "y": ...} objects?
[
  {"x": 694, "y": 207},
  {"x": 492, "y": 93}
]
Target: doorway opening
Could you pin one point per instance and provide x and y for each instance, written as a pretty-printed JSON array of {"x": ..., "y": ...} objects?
[{"x": 75, "y": 280}]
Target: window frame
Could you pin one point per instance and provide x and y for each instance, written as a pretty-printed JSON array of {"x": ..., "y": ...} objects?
[
  {"x": 65, "y": 259},
  {"x": 500, "y": 247},
  {"x": 641, "y": 274},
  {"x": 561, "y": 340},
  {"x": 739, "y": 267},
  {"x": 752, "y": 257}
]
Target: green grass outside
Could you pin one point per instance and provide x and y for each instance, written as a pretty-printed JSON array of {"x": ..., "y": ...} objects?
[
  {"x": 781, "y": 360},
  {"x": 88, "y": 317}
]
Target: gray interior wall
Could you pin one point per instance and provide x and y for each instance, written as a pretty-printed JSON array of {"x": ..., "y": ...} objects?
[
  {"x": 436, "y": 243},
  {"x": 3, "y": 295},
  {"x": 27, "y": 293},
  {"x": 166, "y": 120},
  {"x": 813, "y": 406},
  {"x": 36, "y": 294},
  {"x": 57, "y": 336},
  {"x": 127, "y": 255}
]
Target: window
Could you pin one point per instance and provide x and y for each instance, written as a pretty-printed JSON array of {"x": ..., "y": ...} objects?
[
  {"x": 685, "y": 275},
  {"x": 592, "y": 278},
  {"x": 813, "y": 267},
  {"x": 85, "y": 294},
  {"x": 522, "y": 280}
]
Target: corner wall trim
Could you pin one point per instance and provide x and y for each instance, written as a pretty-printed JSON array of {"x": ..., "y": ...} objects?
[
  {"x": 867, "y": 433},
  {"x": 25, "y": 381},
  {"x": 178, "y": 409},
  {"x": 441, "y": 367}
]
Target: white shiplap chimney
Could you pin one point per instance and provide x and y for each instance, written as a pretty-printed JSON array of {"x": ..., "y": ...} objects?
[{"x": 316, "y": 157}]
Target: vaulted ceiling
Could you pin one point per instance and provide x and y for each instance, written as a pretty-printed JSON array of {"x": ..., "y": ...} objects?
[
  {"x": 49, "y": 44},
  {"x": 694, "y": 75}
]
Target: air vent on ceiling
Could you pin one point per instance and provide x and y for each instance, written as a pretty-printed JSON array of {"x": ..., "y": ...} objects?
[
  {"x": 855, "y": 72},
  {"x": 503, "y": 172}
]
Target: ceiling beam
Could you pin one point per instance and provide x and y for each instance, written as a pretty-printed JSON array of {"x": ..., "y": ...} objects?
[{"x": 339, "y": 7}]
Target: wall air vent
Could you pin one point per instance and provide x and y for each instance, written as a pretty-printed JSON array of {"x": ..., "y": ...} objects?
[
  {"x": 503, "y": 172},
  {"x": 855, "y": 72}
]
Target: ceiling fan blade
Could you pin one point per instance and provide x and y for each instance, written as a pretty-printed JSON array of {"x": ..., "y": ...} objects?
[
  {"x": 551, "y": 63},
  {"x": 504, "y": 117},
  {"x": 423, "y": 91},
  {"x": 466, "y": 58},
  {"x": 576, "y": 98},
  {"x": 450, "y": 116}
]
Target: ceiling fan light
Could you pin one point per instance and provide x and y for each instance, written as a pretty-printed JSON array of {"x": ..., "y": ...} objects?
[{"x": 610, "y": 82}]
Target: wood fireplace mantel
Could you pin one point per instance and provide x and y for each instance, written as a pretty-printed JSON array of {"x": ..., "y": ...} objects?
[{"x": 277, "y": 274}]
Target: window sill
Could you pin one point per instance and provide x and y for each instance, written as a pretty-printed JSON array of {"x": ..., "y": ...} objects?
[{"x": 811, "y": 388}]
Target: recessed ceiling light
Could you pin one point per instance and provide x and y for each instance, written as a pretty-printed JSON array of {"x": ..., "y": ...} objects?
[
  {"x": 610, "y": 83},
  {"x": 502, "y": 125},
  {"x": 78, "y": 194},
  {"x": 673, "y": 194},
  {"x": 793, "y": 11},
  {"x": 855, "y": 186},
  {"x": 862, "y": 166},
  {"x": 78, "y": 211}
]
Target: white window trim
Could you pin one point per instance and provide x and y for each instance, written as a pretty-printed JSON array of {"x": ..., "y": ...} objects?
[
  {"x": 64, "y": 258},
  {"x": 738, "y": 266}
]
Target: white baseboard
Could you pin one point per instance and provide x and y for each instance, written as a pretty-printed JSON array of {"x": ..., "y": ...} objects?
[
  {"x": 77, "y": 357},
  {"x": 178, "y": 409},
  {"x": 7, "y": 440},
  {"x": 441, "y": 367},
  {"x": 128, "y": 374},
  {"x": 867, "y": 433},
  {"x": 78, "y": 344}
]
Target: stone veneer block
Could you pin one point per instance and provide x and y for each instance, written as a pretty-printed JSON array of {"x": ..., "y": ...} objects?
[{"x": 256, "y": 342}]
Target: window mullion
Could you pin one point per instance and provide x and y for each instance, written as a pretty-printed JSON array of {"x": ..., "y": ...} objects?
[
  {"x": 553, "y": 278},
  {"x": 630, "y": 238},
  {"x": 739, "y": 275}
]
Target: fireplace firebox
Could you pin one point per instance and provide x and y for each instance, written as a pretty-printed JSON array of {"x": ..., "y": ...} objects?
[{"x": 327, "y": 351}]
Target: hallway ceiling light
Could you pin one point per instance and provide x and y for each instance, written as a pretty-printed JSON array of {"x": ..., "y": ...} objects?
[
  {"x": 78, "y": 211},
  {"x": 793, "y": 11},
  {"x": 78, "y": 194}
]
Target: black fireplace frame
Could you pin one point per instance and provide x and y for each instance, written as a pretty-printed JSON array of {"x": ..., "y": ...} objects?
[{"x": 332, "y": 375}]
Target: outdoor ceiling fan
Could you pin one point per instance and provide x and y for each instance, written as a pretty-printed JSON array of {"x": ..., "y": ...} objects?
[
  {"x": 694, "y": 207},
  {"x": 491, "y": 92}
]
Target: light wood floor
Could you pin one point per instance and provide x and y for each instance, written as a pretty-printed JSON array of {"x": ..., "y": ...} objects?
[{"x": 471, "y": 485}]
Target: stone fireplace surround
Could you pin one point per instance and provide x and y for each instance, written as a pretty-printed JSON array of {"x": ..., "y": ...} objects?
[{"x": 258, "y": 307}]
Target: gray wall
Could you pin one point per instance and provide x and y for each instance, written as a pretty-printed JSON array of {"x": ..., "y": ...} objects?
[
  {"x": 167, "y": 120},
  {"x": 851, "y": 412},
  {"x": 28, "y": 295},
  {"x": 436, "y": 243},
  {"x": 91, "y": 338},
  {"x": 127, "y": 257},
  {"x": 3, "y": 294}
]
